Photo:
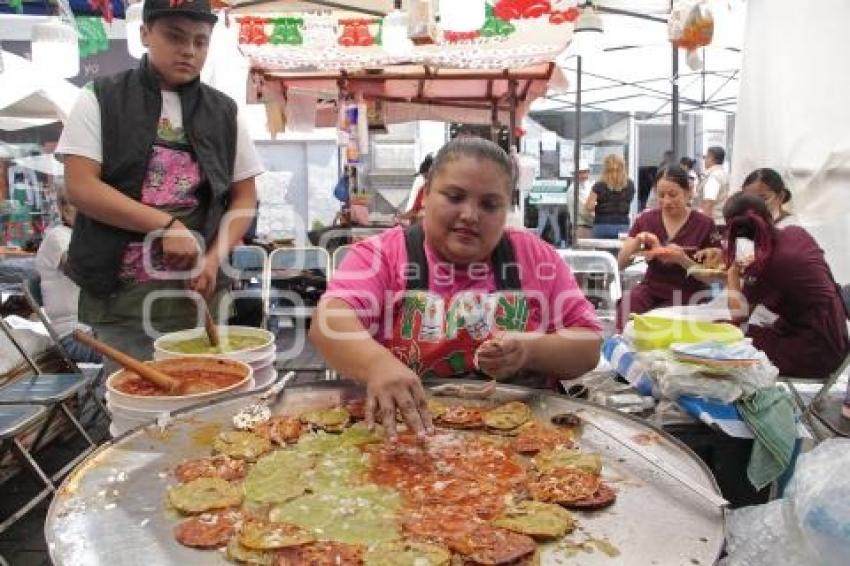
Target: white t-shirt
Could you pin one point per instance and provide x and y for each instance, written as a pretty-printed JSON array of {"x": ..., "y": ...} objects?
[
  {"x": 81, "y": 135},
  {"x": 60, "y": 294}
]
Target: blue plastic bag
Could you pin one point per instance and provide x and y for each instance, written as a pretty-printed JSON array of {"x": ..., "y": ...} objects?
[{"x": 341, "y": 189}]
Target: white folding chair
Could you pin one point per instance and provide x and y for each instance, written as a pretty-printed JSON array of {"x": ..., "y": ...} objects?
[
  {"x": 297, "y": 279},
  {"x": 339, "y": 255},
  {"x": 250, "y": 266},
  {"x": 598, "y": 275}
]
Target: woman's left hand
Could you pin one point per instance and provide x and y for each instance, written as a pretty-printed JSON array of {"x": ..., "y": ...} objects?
[{"x": 502, "y": 357}]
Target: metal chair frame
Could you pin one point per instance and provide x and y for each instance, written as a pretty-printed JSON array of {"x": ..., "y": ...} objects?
[
  {"x": 301, "y": 258},
  {"x": 596, "y": 263},
  {"x": 243, "y": 262},
  {"x": 29, "y": 392},
  {"x": 32, "y": 294}
]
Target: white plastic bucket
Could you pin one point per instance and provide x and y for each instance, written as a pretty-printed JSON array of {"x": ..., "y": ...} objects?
[
  {"x": 264, "y": 376},
  {"x": 248, "y": 355},
  {"x": 172, "y": 402}
]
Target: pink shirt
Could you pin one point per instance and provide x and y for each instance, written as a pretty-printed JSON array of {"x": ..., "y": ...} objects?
[{"x": 371, "y": 279}]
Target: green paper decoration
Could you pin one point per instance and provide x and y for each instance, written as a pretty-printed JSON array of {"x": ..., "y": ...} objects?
[
  {"x": 18, "y": 5},
  {"x": 287, "y": 31},
  {"x": 92, "y": 35},
  {"x": 495, "y": 27}
]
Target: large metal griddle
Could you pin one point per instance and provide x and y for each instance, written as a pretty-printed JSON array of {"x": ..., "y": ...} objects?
[{"x": 111, "y": 509}]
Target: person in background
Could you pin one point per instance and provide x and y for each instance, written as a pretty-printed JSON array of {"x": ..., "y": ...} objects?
[
  {"x": 413, "y": 207},
  {"x": 805, "y": 335},
  {"x": 610, "y": 199},
  {"x": 157, "y": 163},
  {"x": 768, "y": 185},
  {"x": 688, "y": 164},
  {"x": 713, "y": 189},
  {"x": 667, "y": 159},
  {"x": 583, "y": 217},
  {"x": 60, "y": 294},
  {"x": 456, "y": 293},
  {"x": 668, "y": 235}
]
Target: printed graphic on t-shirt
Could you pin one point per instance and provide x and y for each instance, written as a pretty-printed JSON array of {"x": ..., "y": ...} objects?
[
  {"x": 171, "y": 183},
  {"x": 437, "y": 336}
]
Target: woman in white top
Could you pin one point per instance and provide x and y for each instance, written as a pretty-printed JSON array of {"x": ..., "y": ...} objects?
[
  {"x": 768, "y": 185},
  {"x": 59, "y": 294}
]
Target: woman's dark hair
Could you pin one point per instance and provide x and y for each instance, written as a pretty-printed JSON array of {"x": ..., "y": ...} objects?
[
  {"x": 675, "y": 174},
  {"x": 425, "y": 166},
  {"x": 476, "y": 148},
  {"x": 687, "y": 163},
  {"x": 772, "y": 181},
  {"x": 747, "y": 216}
]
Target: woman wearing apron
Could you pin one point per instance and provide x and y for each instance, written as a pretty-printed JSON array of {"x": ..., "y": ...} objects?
[{"x": 456, "y": 295}]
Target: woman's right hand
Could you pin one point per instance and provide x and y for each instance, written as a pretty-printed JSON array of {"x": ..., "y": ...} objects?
[
  {"x": 179, "y": 247},
  {"x": 397, "y": 387},
  {"x": 648, "y": 240}
]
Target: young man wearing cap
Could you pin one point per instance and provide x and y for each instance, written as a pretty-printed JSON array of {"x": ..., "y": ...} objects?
[{"x": 156, "y": 163}]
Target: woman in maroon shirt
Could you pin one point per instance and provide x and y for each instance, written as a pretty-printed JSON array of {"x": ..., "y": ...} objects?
[
  {"x": 680, "y": 231},
  {"x": 789, "y": 276}
]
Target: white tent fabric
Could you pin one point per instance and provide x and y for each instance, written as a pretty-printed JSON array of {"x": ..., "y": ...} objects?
[
  {"x": 793, "y": 113},
  {"x": 633, "y": 73},
  {"x": 29, "y": 97}
]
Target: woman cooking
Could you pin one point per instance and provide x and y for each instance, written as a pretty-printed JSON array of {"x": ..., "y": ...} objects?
[
  {"x": 458, "y": 292},
  {"x": 666, "y": 235},
  {"x": 804, "y": 333}
]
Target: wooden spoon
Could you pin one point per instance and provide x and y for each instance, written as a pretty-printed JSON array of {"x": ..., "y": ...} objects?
[
  {"x": 210, "y": 326},
  {"x": 155, "y": 376}
]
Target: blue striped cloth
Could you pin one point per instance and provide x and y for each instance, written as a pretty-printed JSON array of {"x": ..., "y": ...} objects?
[{"x": 723, "y": 416}]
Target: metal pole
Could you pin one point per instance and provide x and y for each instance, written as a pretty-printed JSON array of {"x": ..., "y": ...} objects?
[
  {"x": 513, "y": 141},
  {"x": 576, "y": 155},
  {"x": 674, "y": 107}
]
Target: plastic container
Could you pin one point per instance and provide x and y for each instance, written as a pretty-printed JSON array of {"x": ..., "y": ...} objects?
[
  {"x": 655, "y": 333},
  {"x": 172, "y": 402},
  {"x": 248, "y": 355}
]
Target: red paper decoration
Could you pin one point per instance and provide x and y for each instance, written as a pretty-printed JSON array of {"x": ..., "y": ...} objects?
[
  {"x": 252, "y": 31},
  {"x": 355, "y": 33},
  {"x": 104, "y": 7},
  {"x": 458, "y": 36},
  {"x": 568, "y": 15},
  {"x": 521, "y": 9}
]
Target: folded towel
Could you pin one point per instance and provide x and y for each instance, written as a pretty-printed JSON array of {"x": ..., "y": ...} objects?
[{"x": 770, "y": 413}]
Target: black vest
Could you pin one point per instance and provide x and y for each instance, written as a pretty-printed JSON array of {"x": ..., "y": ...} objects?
[{"x": 130, "y": 107}]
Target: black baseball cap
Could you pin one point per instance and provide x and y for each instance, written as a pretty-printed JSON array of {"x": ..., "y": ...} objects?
[{"x": 194, "y": 9}]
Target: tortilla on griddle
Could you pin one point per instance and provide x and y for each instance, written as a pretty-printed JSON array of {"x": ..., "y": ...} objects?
[
  {"x": 281, "y": 429},
  {"x": 508, "y": 416},
  {"x": 278, "y": 477},
  {"x": 244, "y": 555},
  {"x": 241, "y": 445},
  {"x": 330, "y": 420},
  {"x": 221, "y": 466},
  {"x": 263, "y": 535},
  {"x": 208, "y": 530},
  {"x": 204, "y": 494},
  {"x": 536, "y": 519},
  {"x": 407, "y": 553},
  {"x": 563, "y": 486},
  {"x": 568, "y": 459}
]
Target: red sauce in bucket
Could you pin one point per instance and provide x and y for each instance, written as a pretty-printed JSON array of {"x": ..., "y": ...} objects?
[{"x": 195, "y": 376}]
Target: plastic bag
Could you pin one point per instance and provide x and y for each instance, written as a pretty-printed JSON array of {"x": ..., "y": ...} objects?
[
  {"x": 690, "y": 25},
  {"x": 807, "y": 526},
  {"x": 674, "y": 378}
]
